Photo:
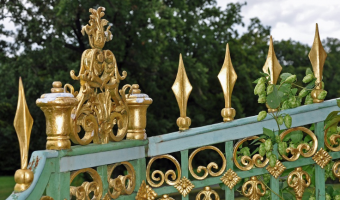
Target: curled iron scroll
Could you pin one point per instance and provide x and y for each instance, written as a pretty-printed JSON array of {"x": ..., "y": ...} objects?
[
  {"x": 163, "y": 177},
  {"x": 207, "y": 170},
  {"x": 122, "y": 185},
  {"x": 246, "y": 161},
  {"x": 83, "y": 191}
]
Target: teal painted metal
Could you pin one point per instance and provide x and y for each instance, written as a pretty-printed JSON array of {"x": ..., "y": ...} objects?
[
  {"x": 52, "y": 172},
  {"x": 274, "y": 182}
]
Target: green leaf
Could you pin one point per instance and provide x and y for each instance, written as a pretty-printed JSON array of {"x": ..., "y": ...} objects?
[
  {"x": 264, "y": 74},
  {"x": 296, "y": 136},
  {"x": 255, "y": 151},
  {"x": 257, "y": 80},
  {"x": 294, "y": 91},
  {"x": 257, "y": 139},
  {"x": 285, "y": 87},
  {"x": 274, "y": 99},
  {"x": 269, "y": 133},
  {"x": 332, "y": 121},
  {"x": 307, "y": 138},
  {"x": 284, "y": 76},
  {"x": 338, "y": 102},
  {"x": 311, "y": 85}
]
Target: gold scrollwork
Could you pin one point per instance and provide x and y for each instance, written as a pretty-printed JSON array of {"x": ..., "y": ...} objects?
[
  {"x": 119, "y": 184},
  {"x": 333, "y": 139},
  {"x": 253, "y": 192},
  {"x": 82, "y": 192},
  {"x": 97, "y": 113},
  {"x": 207, "y": 170},
  {"x": 296, "y": 152},
  {"x": 207, "y": 192},
  {"x": 336, "y": 170},
  {"x": 296, "y": 181},
  {"x": 163, "y": 177},
  {"x": 246, "y": 160}
]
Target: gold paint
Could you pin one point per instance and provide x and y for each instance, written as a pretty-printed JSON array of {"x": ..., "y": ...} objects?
[
  {"x": 322, "y": 158},
  {"x": 166, "y": 197},
  {"x": 296, "y": 152},
  {"x": 102, "y": 105},
  {"x": 253, "y": 192},
  {"x": 246, "y": 161},
  {"x": 272, "y": 67},
  {"x": 207, "y": 192},
  {"x": 57, "y": 109},
  {"x": 23, "y": 123},
  {"x": 118, "y": 185},
  {"x": 182, "y": 89},
  {"x": 184, "y": 186},
  {"x": 145, "y": 192},
  {"x": 230, "y": 179},
  {"x": 296, "y": 181},
  {"x": 333, "y": 140},
  {"x": 227, "y": 78},
  {"x": 95, "y": 187},
  {"x": 161, "y": 174},
  {"x": 138, "y": 104},
  {"x": 336, "y": 170},
  {"x": 207, "y": 170},
  {"x": 317, "y": 57},
  {"x": 46, "y": 198},
  {"x": 277, "y": 170}
]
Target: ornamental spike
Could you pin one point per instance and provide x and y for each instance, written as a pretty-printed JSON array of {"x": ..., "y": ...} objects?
[
  {"x": 182, "y": 89},
  {"x": 227, "y": 78},
  {"x": 272, "y": 65}
]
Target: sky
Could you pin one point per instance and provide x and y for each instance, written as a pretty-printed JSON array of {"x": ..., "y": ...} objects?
[{"x": 293, "y": 19}]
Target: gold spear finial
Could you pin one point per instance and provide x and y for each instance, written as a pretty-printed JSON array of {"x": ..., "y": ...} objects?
[
  {"x": 23, "y": 123},
  {"x": 227, "y": 78},
  {"x": 317, "y": 57},
  {"x": 272, "y": 67},
  {"x": 182, "y": 89}
]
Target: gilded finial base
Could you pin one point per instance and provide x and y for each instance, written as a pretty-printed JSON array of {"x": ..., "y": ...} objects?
[
  {"x": 183, "y": 123},
  {"x": 271, "y": 110},
  {"x": 228, "y": 114},
  {"x": 315, "y": 93},
  {"x": 23, "y": 179}
]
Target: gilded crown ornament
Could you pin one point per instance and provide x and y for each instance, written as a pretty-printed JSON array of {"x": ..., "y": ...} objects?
[
  {"x": 23, "y": 123},
  {"x": 317, "y": 57},
  {"x": 145, "y": 192},
  {"x": 182, "y": 89},
  {"x": 207, "y": 194},
  {"x": 272, "y": 67},
  {"x": 227, "y": 78},
  {"x": 251, "y": 190},
  {"x": 101, "y": 104},
  {"x": 166, "y": 197},
  {"x": 297, "y": 182}
]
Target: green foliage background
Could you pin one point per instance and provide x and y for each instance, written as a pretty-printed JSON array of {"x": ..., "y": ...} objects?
[{"x": 148, "y": 37}]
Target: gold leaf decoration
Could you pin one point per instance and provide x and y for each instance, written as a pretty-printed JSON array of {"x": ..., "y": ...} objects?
[
  {"x": 145, "y": 192},
  {"x": 207, "y": 193},
  {"x": 182, "y": 89},
  {"x": 230, "y": 178},
  {"x": 277, "y": 170},
  {"x": 86, "y": 189},
  {"x": 184, "y": 186},
  {"x": 297, "y": 182},
  {"x": 251, "y": 190},
  {"x": 336, "y": 170},
  {"x": 322, "y": 158},
  {"x": 227, "y": 78},
  {"x": 272, "y": 65}
]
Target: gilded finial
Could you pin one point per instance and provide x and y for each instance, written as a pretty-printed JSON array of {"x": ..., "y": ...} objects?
[
  {"x": 23, "y": 123},
  {"x": 317, "y": 57},
  {"x": 182, "y": 89},
  {"x": 272, "y": 67},
  {"x": 227, "y": 78},
  {"x": 298, "y": 180}
]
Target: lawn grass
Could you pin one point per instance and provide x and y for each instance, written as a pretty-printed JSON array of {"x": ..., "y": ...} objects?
[{"x": 6, "y": 186}]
